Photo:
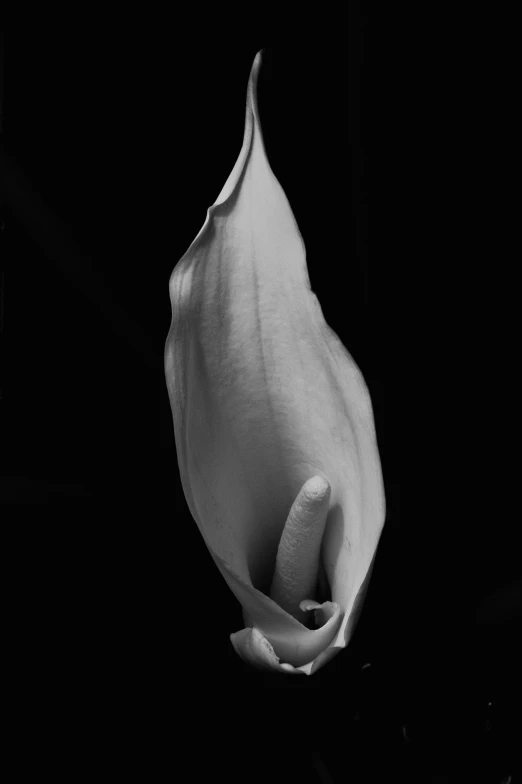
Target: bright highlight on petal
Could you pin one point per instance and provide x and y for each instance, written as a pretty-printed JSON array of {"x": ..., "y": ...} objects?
[{"x": 273, "y": 423}]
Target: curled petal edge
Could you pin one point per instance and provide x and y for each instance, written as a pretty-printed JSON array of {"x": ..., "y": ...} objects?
[
  {"x": 253, "y": 647},
  {"x": 279, "y": 639},
  {"x": 320, "y": 645}
]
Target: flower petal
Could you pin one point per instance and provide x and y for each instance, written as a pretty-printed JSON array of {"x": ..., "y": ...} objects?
[{"x": 264, "y": 397}]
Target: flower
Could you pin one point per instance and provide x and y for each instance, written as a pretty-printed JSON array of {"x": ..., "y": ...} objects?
[{"x": 273, "y": 424}]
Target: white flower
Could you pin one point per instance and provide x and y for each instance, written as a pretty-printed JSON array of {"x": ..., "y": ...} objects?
[{"x": 273, "y": 423}]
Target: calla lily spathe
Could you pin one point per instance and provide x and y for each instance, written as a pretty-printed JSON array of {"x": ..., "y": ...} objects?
[{"x": 273, "y": 423}]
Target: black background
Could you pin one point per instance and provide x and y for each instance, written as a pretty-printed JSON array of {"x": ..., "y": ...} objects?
[{"x": 394, "y": 147}]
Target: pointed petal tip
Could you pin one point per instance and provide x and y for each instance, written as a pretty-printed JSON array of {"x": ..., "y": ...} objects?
[
  {"x": 257, "y": 61},
  {"x": 252, "y": 127},
  {"x": 254, "y": 73}
]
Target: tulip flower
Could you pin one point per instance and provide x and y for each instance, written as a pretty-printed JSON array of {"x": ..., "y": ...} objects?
[{"x": 273, "y": 424}]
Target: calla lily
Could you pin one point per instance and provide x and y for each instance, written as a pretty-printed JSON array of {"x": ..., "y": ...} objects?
[{"x": 273, "y": 424}]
